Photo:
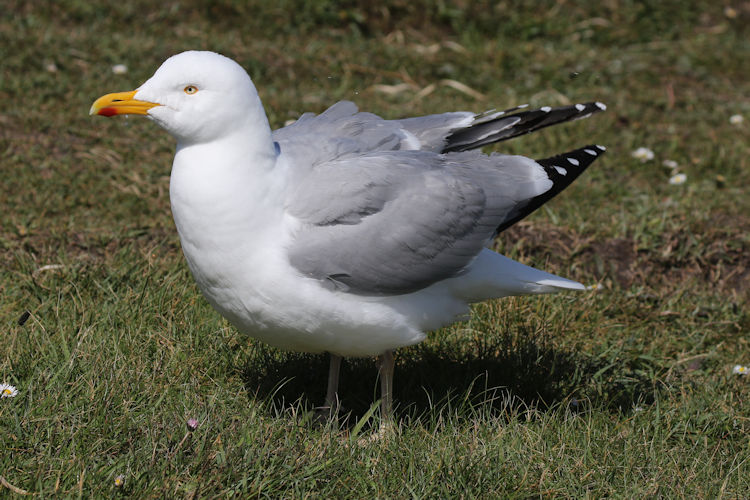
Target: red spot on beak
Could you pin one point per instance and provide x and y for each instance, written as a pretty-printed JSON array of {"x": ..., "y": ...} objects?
[{"x": 107, "y": 112}]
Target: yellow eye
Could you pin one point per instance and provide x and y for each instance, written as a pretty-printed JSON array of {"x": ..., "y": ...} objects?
[{"x": 191, "y": 89}]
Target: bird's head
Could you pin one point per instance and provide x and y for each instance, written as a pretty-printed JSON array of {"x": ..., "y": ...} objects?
[{"x": 196, "y": 96}]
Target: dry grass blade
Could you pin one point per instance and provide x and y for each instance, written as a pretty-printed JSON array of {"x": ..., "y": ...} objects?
[
  {"x": 14, "y": 489},
  {"x": 462, "y": 87}
]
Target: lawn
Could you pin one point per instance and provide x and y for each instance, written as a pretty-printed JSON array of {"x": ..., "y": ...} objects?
[{"x": 625, "y": 390}]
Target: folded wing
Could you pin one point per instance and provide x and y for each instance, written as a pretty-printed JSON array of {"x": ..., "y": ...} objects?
[{"x": 394, "y": 222}]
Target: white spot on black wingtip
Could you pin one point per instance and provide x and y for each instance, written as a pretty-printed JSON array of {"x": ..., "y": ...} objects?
[
  {"x": 573, "y": 161},
  {"x": 546, "y": 109},
  {"x": 601, "y": 105},
  {"x": 591, "y": 152},
  {"x": 580, "y": 107},
  {"x": 522, "y": 106},
  {"x": 560, "y": 170},
  {"x": 600, "y": 148}
]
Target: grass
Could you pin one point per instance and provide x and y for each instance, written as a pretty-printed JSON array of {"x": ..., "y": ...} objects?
[{"x": 626, "y": 391}]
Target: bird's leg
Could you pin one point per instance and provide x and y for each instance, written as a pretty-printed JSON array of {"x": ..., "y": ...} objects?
[
  {"x": 332, "y": 394},
  {"x": 385, "y": 368}
]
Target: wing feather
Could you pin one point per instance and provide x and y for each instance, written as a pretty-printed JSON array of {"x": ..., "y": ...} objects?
[{"x": 394, "y": 222}]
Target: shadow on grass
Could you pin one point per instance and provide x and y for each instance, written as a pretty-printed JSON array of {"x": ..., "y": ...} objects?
[{"x": 520, "y": 364}]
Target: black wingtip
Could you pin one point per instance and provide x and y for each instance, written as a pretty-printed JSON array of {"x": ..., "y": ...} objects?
[
  {"x": 495, "y": 126},
  {"x": 562, "y": 170}
]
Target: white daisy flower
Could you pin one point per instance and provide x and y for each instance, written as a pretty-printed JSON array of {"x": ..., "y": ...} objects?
[
  {"x": 678, "y": 179},
  {"x": 8, "y": 391},
  {"x": 740, "y": 370},
  {"x": 736, "y": 119},
  {"x": 119, "y": 69},
  {"x": 643, "y": 154},
  {"x": 120, "y": 481},
  {"x": 670, "y": 164}
]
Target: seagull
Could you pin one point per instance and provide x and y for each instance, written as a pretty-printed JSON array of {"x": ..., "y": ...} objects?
[{"x": 344, "y": 232}]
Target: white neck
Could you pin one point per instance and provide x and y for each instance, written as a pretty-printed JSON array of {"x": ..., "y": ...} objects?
[{"x": 223, "y": 189}]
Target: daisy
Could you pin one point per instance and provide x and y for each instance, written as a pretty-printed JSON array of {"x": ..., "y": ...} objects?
[
  {"x": 8, "y": 391},
  {"x": 119, "y": 69},
  {"x": 740, "y": 370},
  {"x": 120, "y": 480},
  {"x": 678, "y": 179},
  {"x": 643, "y": 154},
  {"x": 736, "y": 119}
]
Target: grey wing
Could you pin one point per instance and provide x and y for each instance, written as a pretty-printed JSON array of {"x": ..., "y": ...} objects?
[
  {"x": 390, "y": 223},
  {"x": 339, "y": 131},
  {"x": 342, "y": 130},
  {"x": 380, "y": 217}
]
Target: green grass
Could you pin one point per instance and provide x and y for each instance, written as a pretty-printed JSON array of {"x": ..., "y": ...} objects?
[{"x": 627, "y": 391}]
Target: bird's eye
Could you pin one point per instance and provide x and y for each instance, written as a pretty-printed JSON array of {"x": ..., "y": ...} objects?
[{"x": 191, "y": 89}]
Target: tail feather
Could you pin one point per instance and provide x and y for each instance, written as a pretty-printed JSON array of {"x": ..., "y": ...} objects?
[
  {"x": 495, "y": 126},
  {"x": 562, "y": 170},
  {"x": 493, "y": 275}
]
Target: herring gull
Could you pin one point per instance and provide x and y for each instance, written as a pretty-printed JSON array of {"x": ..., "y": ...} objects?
[{"x": 344, "y": 232}]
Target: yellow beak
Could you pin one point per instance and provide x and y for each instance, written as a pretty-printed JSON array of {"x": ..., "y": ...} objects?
[{"x": 120, "y": 103}]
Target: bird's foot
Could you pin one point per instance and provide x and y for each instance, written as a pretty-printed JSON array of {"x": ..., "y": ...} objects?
[
  {"x": 388, "y": 430},
  {"x": 323, "y": 415}
]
